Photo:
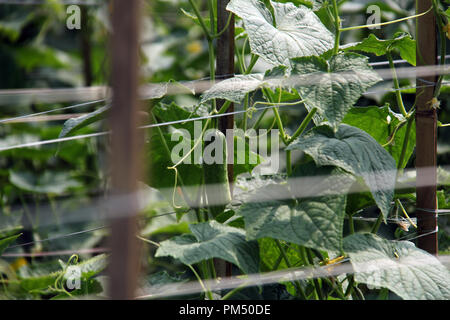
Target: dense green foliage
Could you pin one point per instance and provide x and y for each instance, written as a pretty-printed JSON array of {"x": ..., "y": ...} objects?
[{"x": 344, "y": 149}]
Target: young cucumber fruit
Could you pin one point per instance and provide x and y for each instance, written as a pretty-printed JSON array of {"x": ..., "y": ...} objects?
[{"x": 215, "y": 172}]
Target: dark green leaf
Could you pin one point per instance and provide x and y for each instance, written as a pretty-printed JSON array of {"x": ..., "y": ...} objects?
[
  {"x": 74, "y": 124},
  {"x": 332, "y": 86},
  {"x": 356, "y": 152},
  {"x": 403, "y": 42},
  {"x": 381, "y": 124},
  {"x": 4, "y": 243}
]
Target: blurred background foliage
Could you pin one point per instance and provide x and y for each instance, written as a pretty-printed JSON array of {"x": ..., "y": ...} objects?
[{"x": 37, "y": 50}]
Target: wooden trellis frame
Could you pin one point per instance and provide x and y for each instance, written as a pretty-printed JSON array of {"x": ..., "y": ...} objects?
[
  {"x": 125, "y": 145},
  {"x": 224, "y": 69},
  {"x": 426, "y": 132},
  {"x": 124, "y": 264}
]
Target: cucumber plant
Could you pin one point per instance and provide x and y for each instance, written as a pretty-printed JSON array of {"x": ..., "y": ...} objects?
[{"x": 355, "y": 156}]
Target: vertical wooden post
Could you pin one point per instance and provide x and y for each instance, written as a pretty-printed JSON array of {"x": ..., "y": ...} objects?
[
  {"x": 225, "y": 64},
  {"x": 225, "y": 69},
  {"x": 426, "y": 131},
  {"x": 125, "y": 164},
  {"x": 86, "y": 46}
]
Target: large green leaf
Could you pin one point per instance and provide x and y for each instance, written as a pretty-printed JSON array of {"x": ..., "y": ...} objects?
[
  {"x": 4, "y": 243},
  {"x": 234, "y": 89},
  {"x": 383, "y": 124},
  {"x": 332, "y": 86},
  {"x": 357, "y": 152},
  {"x": 409, "y": 272},
  {"x": 313, "y": 222},
  {"x": 402, "y": 42},
  {"x": 296, "y": 31},
  {"x": 213, "y": 240}
]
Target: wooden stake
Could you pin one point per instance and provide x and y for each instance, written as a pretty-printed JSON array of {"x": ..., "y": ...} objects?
[
  {"x": 125, "y": 164},
  {"x": 426, "y": 132},
  {"x": 86, "y": 47},
  {"x": 225, "y": 69}
]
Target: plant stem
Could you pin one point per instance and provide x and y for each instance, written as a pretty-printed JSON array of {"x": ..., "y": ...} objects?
[
  {"x": 212, "y": 269},
  {"x": 252, "y": 64},
  {"x": 280, "y": 126},
  {"x": 297, "y": 133},
  {"x": 315, "y": 281},
  {"x": 224, "y": 107},
  {"x": 386, "y": 23},
  {"x": 243, "y": 55},
  {"x": 261, "y": 116},
  {"x": 277, "y": 117},
  {"x": 337, "y": 26},
  {"x": 377, "y": 224},
  {"x": 335, "y": 287},
  {"x": 405, "y": 213},
  {"x": 240, "y": 61},
  {"x": 244, "y": 123},
  {"x": 284, "y": 255},
  {"x": 200, "y": 20},
  {"x": 277, "y": 262},
  {"x": 211, "y": 17},
  {"x": 303, "y": 125},
  {"x": 302, "y": 252},
  {"x": 207, "y": 292},
  {"x": 232, "y": 292},
  {"x": 212, "y": 61},
  {"x": 288, "y": 163},
  {"x": 443, "y": 40},
  {"x": 398, "y": 94},
  {"x": 351, "y": 282},
  {"x": 224, "y": 28},
  {"x": 405, "y": 143},
  {"x": 351, "y": 225}
]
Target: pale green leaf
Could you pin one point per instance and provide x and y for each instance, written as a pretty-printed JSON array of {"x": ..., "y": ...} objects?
[
  {"x": 298, "y": 32},
  {"x": 234, "y": 89},
  {"x": 409, "y": 272}
]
